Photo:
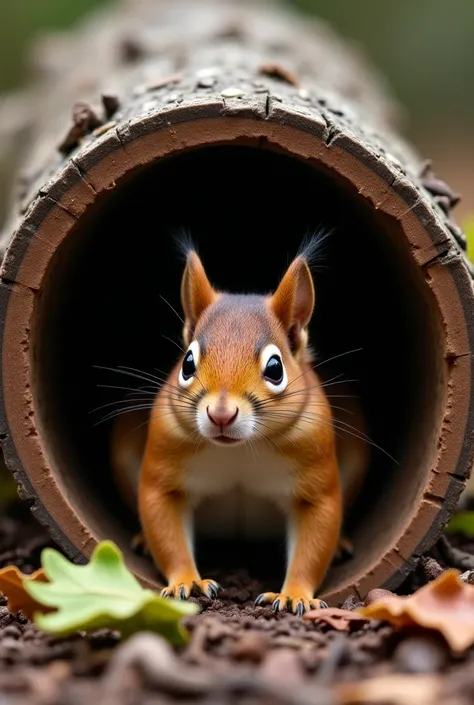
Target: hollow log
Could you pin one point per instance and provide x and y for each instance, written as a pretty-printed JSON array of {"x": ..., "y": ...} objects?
[{"x": 249, "y": 126}]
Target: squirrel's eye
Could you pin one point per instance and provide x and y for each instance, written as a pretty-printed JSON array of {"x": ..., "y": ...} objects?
[
  {"x": 273, "y": 371},
  {"x": 188, "y": 368}
]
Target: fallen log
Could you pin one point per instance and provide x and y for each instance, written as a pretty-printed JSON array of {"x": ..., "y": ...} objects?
[{"x": 248, "y": 126}]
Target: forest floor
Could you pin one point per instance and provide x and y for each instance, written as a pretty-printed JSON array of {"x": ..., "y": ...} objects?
[{"x": 237, "y": 653}]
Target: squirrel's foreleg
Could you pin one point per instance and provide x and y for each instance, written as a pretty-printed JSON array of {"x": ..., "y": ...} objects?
[
  {"x": 165, "y": 521},
  {"x": 313, "y": 533}
]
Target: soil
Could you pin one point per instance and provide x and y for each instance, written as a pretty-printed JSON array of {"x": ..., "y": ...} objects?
[{"x": 237, "y": 653}]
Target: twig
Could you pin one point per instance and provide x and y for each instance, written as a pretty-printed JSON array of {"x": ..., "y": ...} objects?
[
  {"x": 455, "y": 557},
  {"x": 336, "y": 653}
]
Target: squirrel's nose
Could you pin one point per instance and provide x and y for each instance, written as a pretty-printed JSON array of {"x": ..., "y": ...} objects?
[{"x": 222, "y": 417}]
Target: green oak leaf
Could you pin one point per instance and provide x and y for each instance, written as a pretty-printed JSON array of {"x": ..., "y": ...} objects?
[
  {"x": 469, "y": 231},
  {"x": 103, "y": 594}
]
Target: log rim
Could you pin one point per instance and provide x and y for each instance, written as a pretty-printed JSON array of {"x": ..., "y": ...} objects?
[{"x": 96, "y": 168}]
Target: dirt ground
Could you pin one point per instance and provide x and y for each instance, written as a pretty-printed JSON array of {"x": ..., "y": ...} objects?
[{"x": 237, "y": 653}]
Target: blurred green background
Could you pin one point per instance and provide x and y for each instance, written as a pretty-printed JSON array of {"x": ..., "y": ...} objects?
[{"x": 425, "y": 48}]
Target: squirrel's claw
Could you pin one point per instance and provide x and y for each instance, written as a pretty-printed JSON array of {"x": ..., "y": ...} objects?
[
  {"x": 209, "y": 588},
  {"x": 182, "y": 591},
  {"x": 292, "y": 603}
]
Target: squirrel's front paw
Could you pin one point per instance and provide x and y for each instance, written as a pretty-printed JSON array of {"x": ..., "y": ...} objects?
[
  {"x": 293, "y": 603},
  {"x": 182, "y": 590}
]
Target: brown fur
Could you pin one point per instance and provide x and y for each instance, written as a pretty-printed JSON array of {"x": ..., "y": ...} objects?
[{"x": 231, "y": 330}]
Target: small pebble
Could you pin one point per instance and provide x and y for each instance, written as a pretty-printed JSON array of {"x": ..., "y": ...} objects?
[
  {"x": 467, "y": 577},
  {"x": 29, "y": 636},
  {"x": 206, "y": 82},
  {"x": 10, "y": 644},
  {"x": 5, "y": 617},
  {"x": 208, "y": 72},
  {"x": 11, "y": 631},
  {"x": 283, "y": 666},
  {"x": 252, "y": 646},
  {"x": 232, "y": 92},
  {"x": 377, "y": 594},
  {"x": 360, "y": 657},
  {"x": 423, "y": 654},
  {"x": 304, "y": 94}
]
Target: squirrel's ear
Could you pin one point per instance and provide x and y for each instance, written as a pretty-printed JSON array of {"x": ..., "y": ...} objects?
[
  {"x": 196, "y": 293},
  {"x": 293, "y": 301}
]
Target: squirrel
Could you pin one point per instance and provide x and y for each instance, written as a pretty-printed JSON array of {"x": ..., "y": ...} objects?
[{"x": 242, "y": 433}]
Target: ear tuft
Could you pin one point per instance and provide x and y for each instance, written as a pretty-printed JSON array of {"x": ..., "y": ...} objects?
[
  {"x": 313, "y": 248},
  {"x": 184, "y": 243},
  {"x": 196, "y": 293}
]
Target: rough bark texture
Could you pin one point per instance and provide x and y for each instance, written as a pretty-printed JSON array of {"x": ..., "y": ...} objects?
[
  {"x": 147, "y": 68},
  {"x": 147, "y": 57}
]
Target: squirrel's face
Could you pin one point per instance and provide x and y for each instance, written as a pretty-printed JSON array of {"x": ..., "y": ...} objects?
[{"x": 241, "y": 378}]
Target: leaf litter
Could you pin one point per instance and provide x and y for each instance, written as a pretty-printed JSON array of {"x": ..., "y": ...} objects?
[
  {"x": 63, "y": 598},
  {"x": 445, "y": 604},
  {"x": 236, "y": 653}
]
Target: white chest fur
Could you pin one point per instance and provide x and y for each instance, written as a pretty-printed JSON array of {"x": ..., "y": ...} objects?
[{"x": 243, "y": 490}]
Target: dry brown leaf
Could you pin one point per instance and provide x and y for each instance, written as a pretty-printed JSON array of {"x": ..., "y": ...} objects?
[
  {"x": 282, "y": 73},
  {"x": 336, "y": 618},
  {"x": 11, "y": 585},
  {"x": 445, "y": 605},
  {"x": 396, "y": 689}
]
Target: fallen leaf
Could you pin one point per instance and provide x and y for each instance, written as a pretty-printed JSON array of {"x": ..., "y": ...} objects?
[
  {"x": 103, "y": 594},
  {"x": 336, "y": 618},
  {"x": 445, "y": 605},
  {"x": 393, "y": 689},
  {"x": 280, "y": 72},
  {"x": 12, "y": 585},
  {"x": 469, "y": 230}
]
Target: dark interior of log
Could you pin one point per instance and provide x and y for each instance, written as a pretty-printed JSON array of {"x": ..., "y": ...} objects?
[{"x": 248, "y": 210}]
